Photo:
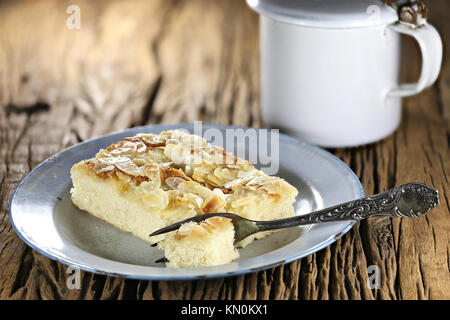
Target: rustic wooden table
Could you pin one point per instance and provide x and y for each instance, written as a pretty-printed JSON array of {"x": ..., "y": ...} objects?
[{"x": 144, "y": 62}]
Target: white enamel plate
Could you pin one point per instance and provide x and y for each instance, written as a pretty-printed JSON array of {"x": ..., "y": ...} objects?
[{"x": 45, "y": 218}]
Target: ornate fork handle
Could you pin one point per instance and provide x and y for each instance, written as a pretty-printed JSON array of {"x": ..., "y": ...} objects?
[{"x": 408, "y": 200}]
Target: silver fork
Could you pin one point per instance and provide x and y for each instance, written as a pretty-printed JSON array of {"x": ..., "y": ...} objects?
[{"x": 407, "y": 200}]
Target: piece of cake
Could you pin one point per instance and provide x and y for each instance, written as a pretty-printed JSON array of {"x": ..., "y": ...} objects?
[
  {"x": 208, "y": 243},
  {"x": 146, "y": 182}
]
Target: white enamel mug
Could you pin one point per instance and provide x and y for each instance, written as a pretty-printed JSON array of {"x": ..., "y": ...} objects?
[{"x": 332, "y": 79}]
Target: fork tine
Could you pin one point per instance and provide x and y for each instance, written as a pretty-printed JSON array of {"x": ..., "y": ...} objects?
[{"x": 200, "y": 218}]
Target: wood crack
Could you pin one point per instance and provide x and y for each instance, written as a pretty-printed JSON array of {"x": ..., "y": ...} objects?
[
  {"x": 147, "y": 110},
  {"x": 23, "y": 273}
]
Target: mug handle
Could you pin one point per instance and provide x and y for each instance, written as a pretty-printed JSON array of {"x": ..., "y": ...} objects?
[{"x": 430, "y": 44}]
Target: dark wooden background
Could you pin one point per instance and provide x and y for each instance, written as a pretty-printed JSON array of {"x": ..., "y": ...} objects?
[{"x": 144, "y": 62}]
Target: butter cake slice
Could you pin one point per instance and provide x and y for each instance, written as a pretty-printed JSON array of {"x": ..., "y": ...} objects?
[
  {"x": 208, "y": 243},
  {"x": 146, "y": 182}
]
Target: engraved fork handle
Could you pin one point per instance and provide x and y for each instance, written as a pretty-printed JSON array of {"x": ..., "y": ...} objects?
[{"x": 408, "y": 200}]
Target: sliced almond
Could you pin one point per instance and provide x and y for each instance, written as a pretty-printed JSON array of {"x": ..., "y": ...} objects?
[
  {"x": 173, "y": 182},
  {"x": 129, "y": 168}
]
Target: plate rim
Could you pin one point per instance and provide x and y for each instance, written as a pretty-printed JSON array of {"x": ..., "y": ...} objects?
[{"x": 69, "y": 262}]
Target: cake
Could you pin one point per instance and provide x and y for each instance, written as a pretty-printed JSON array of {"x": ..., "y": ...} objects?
[
  {"x": 208, "y": 243},
  {"x": 146, "y": 182}
]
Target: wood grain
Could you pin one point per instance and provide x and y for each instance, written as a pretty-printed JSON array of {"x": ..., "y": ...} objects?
[{"x": 143, "y": 62}]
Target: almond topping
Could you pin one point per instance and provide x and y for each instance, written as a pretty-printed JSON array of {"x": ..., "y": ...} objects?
[{"x": 173, "y": 182}]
